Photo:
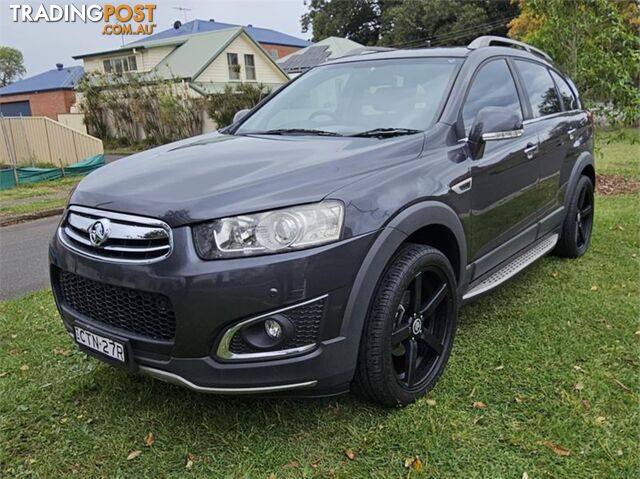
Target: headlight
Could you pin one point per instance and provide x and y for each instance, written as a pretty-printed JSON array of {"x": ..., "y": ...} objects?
[{"x": 274, "y": 231}]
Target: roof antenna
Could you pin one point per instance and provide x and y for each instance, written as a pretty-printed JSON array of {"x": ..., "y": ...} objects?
[{"x": 183, "y": 10}]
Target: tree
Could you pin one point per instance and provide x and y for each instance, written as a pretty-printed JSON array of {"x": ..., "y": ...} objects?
[
  {"x": 595, "y": 42},
  {"x": 11, "y": 65},
  {"x": 357, "y": 20},
  {"x": 410, "y": 23}
]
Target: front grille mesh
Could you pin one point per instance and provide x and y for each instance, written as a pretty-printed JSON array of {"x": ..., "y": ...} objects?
[
  {"x": 139, "y": 312},
  {"x": 306, "y": 320}
]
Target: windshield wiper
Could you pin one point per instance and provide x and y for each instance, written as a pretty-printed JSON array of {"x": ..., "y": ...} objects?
[
  {"x": 295, "y": 131},
  {"x": 385, "y": 132}
]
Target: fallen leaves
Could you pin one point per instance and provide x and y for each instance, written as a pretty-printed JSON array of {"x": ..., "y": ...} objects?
[
  {"x": 578, "y": 386},
  {"x": 478, "y": 405},
  {"x": 62, "y": 351},
  {"x": 431, "y": 402},
  {"x": 616, "y": 184},
  {"x": 24, "y": 368},
  {"x": 594, "y": 287},
  {"x": 559, "y": 450},
  {"x": 191, "y": 457},
  {"x": 149, "y": 439},
  {"x": 350, "y": 453},
  {"x": 133, "y": 454},
  {"x": 414, "y": 463}
]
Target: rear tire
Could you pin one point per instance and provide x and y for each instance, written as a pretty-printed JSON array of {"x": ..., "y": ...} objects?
[
  {"x": 409, "y": 331},
  {"x": 578, "y": 223}
]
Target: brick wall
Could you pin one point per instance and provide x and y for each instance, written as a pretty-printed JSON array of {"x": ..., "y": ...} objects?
[
  {"x": 48, "y": 103},
  {"x": 282, "y": 50}
]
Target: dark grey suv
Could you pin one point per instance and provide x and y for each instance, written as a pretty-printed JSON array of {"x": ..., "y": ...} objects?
[{"x": 325, "y": 241}]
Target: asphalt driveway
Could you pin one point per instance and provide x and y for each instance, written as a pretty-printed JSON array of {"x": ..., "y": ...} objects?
[{"x": 23, "y": 256}]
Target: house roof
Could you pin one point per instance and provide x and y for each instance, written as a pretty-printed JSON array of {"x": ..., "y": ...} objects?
[
  {"x": 260, "y": 35},
  {"x": 320, "y": 52},
  {"x": 60, "y": 78},
  {"x": 197, "y": 51}
]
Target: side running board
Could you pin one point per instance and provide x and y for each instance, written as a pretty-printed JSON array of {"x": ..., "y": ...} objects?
[{"x": 513, "y": 267}]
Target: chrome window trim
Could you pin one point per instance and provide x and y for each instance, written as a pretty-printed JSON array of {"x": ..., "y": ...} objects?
[
  {"x": 180, "y": 381},
  {"x": 545, "y": 117},
  {"x": 502, "y": 135},
  {"x": 223, "y": 351},
  {"x": 143, "y": 221}
]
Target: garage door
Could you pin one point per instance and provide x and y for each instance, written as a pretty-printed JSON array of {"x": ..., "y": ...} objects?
[{"x": 16, "y": 108}]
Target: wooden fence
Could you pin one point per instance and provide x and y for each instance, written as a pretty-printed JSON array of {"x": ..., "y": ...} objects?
[{"x": 31, "y": 140}]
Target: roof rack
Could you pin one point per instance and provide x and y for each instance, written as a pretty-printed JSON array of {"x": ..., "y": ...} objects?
[{"x": 489, "y": 40}]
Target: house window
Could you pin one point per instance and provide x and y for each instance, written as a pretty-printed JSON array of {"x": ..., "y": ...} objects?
[
  {"x": 274, "y": 53},
  {"x": 249, "y": 67},
  {"x": 120, "y": 65},
  {"x": 234, "y": 66}
]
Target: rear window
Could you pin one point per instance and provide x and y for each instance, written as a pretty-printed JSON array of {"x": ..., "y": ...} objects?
[
  {"x": 540, "y": 88},
  {"x": 568, "y": 98}
]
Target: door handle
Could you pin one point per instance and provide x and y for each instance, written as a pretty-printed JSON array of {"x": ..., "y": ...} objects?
[
  {"x": 531, "y": 151},
  {"x": 463, "y": 186},
  {"x": 572, "y": 133}
]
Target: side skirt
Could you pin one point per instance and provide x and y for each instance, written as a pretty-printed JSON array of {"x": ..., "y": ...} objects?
[{"x": 512, "y": 267}]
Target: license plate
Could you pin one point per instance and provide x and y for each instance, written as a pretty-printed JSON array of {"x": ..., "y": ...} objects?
[{"x": 103, "y": 345}]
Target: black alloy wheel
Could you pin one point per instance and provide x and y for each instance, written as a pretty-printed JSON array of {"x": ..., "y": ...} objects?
[
  {"x": 584, "y": 217},
  {"x": 409, "y": 333},
  {"x": 576, "y": 230}
]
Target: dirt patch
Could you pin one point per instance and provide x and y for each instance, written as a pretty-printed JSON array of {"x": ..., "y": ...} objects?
[{"x": 616, "y": 185}]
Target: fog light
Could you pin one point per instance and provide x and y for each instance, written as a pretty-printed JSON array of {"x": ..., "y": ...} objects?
[{"x": 273, "y": 328}]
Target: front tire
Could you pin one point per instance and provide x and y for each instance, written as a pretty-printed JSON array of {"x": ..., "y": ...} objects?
[
  {"x": 408, "y": 334},
  {"x": 576, "y": 229}
]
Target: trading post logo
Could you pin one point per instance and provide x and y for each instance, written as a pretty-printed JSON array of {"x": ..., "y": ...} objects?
[{"x": 119, "y": 19}]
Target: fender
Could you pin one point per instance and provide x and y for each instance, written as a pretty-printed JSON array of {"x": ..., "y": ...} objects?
[
  {"x": 390, "y": 238},
  {"x": 585, "y": 159}
]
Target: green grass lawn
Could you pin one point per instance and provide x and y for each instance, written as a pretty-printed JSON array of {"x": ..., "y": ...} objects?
[
  {"x": 618, "y": 152},
  {"x": 36, "y": 197},
  {"x": 553, "y": 355}
]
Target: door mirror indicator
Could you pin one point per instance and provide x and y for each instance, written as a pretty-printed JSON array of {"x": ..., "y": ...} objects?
[{"x": 493, "y": 123}]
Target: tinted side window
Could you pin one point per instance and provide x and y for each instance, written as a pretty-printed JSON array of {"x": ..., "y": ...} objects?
[
  {"x": 568, "y": 98},
  {"x": 492, "y": 86},
  {"x": 540, "y": 88}
]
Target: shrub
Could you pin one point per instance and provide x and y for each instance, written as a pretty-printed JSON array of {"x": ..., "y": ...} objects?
[{"x": 221, "y": 107}]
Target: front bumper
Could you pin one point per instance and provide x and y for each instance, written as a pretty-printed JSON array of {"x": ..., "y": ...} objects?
[{"x": 210, "y": 296}]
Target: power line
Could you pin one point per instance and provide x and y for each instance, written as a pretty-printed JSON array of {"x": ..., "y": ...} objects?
[
  {"x": 432, "y": 41},
  {"x": 461, "y": 34}
]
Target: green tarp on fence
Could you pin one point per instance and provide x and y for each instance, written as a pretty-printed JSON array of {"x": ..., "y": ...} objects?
[{"x": 33, "y": 175}]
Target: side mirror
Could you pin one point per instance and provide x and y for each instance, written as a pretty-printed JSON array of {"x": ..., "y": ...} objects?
[
  {"x": 493, "y": 123},
  {"x": 240, "y": 115}
]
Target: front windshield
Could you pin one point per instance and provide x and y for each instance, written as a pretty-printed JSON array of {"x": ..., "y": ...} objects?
[{"x": 357, "y": 97}]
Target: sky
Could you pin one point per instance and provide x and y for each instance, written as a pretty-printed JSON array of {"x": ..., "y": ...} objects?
[{"x": 45, "y": 44}]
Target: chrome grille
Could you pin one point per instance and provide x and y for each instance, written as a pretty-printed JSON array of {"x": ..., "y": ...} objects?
[{"x": 131, "y": 239}]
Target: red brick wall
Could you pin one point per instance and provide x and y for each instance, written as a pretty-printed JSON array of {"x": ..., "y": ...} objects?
[
  {"x": 282, "y": 50},
  {"x": 48, "y": 103}
]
